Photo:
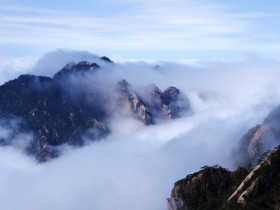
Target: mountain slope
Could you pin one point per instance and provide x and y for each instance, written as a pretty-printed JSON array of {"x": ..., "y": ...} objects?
[
  {"x": 73, "y": 104},
  {"x": 218, "y": 188},
  {"x": 261, "y": 188},
  {"x": 258, "y": 140},
  {"x": 207, "y": 189}
]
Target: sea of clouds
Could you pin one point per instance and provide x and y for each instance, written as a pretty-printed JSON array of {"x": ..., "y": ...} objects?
[{"x": 135, "y": 167}]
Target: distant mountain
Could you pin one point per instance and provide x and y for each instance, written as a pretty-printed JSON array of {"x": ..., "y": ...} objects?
[
  {"x": 216, "y": 188},
  {"x": 68, "y": 107}
]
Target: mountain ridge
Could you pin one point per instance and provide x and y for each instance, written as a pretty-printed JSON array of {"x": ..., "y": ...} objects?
[{"x": 65, "y": 108}]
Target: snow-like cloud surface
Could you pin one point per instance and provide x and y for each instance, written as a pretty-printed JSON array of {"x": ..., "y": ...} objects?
[
  {"x": 129, "y": 170},
  {"x": 136, "y": 166}
]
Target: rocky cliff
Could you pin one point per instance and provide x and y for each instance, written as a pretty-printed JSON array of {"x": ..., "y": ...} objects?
[
  {"x": 66, "y": 108},
  {"x": 207, "y": 189},
  {"x": 257, "y": 140},
  {"x": 218, "y": 188},
  {"x": 257, "y": 186}
]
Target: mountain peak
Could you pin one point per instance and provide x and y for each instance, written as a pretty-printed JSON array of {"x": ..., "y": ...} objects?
[
  {"x": 81, "y": 67},
  {"x": 106, "y": 59},
  {"x": 58, "y": 111}
]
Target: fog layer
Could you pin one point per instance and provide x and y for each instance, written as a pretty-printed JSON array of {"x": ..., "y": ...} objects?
[{"x": 135, "y": 167}]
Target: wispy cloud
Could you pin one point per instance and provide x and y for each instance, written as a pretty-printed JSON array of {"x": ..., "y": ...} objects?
[{"x": 146, "y": 25}]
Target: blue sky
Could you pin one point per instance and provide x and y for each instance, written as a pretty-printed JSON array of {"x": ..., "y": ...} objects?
[{"x": 144, "y": 29}]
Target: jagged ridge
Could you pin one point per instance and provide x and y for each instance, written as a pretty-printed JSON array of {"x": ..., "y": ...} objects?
[{"x": 58, "y": 112}]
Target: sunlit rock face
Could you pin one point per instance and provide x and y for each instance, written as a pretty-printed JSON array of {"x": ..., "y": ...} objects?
[
  {"x": 68, "y": 107},
  {"x": 154, "y": 104},
  {"x": 259, "y": 140},
  {"x": 131, "y": 101}
]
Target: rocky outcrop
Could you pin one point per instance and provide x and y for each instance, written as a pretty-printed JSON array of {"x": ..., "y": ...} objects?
[
  {"x": 53, "y": 116},
  {"x": 260, "y": 189},
  {"x": 153, "y": 104},
  {"x": 169, "y": 104},
  {"x": 206, "y": 189},
  {"x": 65, "y": 109},
  {"x": 129, "y": 99},
  {"x": 82, "y": 67},
  {"x": 106, "y": 59},
  {"x": 218, "y": 188},
  {"x": 258, "y": 140}
]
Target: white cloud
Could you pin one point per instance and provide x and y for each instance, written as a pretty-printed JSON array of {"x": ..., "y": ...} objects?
[
  {"x": 136, "y": 166},
  {"x": 11, "y": 67},
  {"x": 52, "y": 62},
  {"x": 134, "y": 170}
]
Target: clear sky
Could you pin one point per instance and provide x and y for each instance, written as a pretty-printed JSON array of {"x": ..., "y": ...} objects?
[{"x": 144, "y": 29}]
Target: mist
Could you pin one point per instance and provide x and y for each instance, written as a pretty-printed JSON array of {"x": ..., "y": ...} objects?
[
  {"x": 11, "y": 67},
  {"x": 135, "y": 167}
]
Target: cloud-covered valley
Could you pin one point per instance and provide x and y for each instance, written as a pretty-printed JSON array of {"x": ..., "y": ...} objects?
[{"x": 135, "y": 167}]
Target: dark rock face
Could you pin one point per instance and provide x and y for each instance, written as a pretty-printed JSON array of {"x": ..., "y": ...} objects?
[
  {"x": 246, "y": 188},
  {"x": 62, "y": 109},
  {"x": 259, "y": 139},
  {"x": 82, "y": 67},
  {"x": 176, "y": 102},
  {"x": 206, "y": 189},
  {"x": 50, "y": 113},
  {"x": 106, "y": 59},
  {"x": 169, "y": 104},
  {"x": 218, "y": 188},
  {"x": 260, "y": 189}
]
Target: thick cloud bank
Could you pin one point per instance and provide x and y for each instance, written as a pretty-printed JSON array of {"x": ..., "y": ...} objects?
[{"x": 136, "y": 166}]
